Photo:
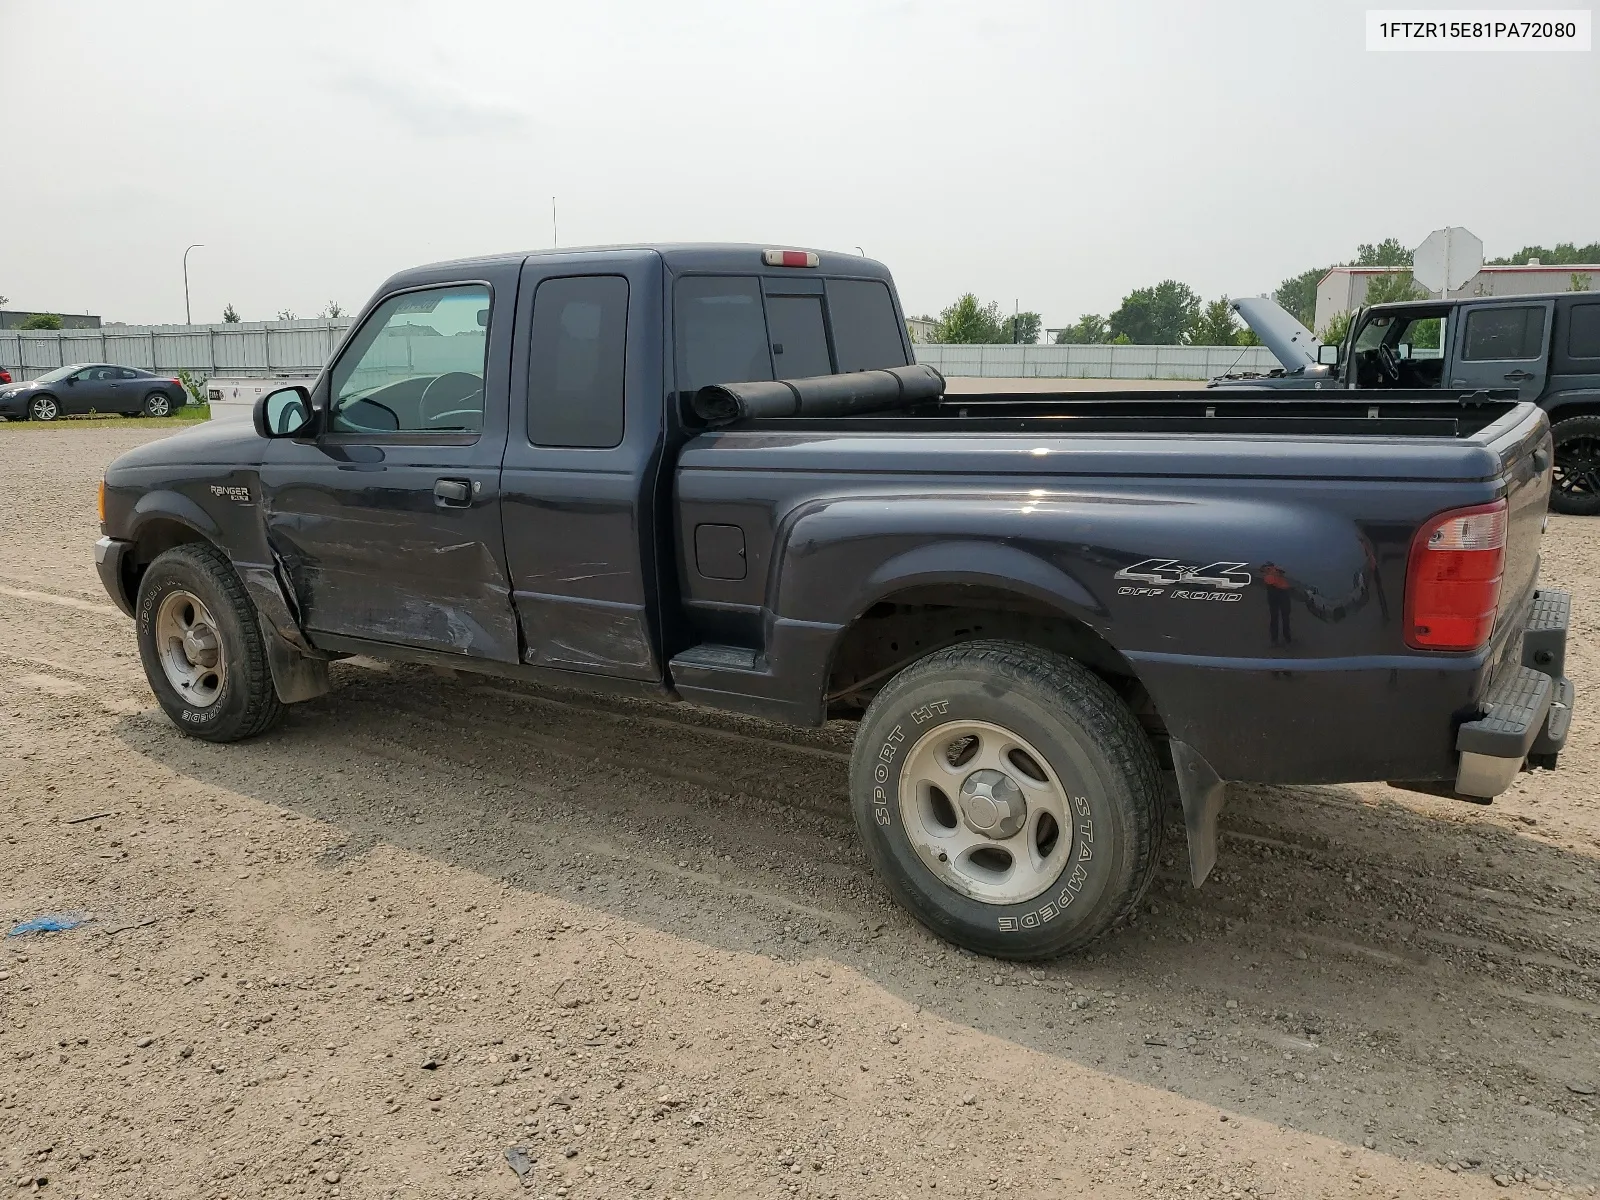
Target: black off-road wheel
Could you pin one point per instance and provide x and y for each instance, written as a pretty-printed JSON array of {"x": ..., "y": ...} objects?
[
  {"x": 202, "y": 646},
  {"x": 1008, "y": 798},
  {"x": 1575, "y": 483}
]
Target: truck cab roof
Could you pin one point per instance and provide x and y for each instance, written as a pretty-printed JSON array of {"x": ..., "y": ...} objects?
[{"x": 680, "y": 258}]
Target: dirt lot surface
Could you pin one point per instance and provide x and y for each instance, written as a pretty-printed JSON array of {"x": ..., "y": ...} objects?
[{"x": 431, "y": 919}]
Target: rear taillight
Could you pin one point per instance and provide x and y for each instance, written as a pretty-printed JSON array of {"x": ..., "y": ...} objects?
[{"x": 1453, "y": 578}]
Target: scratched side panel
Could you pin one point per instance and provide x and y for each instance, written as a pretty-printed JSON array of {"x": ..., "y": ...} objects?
[{"x": 572, "y": 540}]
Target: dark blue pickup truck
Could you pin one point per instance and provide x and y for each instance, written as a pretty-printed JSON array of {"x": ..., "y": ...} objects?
[{"x": 713, "y": 474}]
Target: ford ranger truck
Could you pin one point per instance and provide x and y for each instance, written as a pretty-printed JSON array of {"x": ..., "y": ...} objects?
[{"x": 713, "y": 474}]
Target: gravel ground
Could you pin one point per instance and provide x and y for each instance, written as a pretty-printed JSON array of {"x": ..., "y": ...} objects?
[{"x": 434, "y": 918}]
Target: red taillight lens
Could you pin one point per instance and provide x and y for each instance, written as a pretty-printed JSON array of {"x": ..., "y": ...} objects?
[
  {"x": 1453, "y": 579},
  {"x": 790, "y": 258}
]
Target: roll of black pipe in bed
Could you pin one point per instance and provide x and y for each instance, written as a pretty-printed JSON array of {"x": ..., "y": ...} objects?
[{"x": 819, "y": 396}]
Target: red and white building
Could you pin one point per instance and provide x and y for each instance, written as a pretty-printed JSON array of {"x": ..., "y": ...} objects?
[{"x": 1344, "y": 289}]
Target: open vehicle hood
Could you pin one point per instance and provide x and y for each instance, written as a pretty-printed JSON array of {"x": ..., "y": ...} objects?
[{"x": 1292, "y": 343}]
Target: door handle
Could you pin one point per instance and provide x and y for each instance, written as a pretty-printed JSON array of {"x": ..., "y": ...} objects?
[
  {"x": 452, "y": 493},
  {"x": 1519, "y": 376}
]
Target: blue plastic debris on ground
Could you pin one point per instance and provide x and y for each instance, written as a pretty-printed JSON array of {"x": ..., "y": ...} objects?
[{"x": 54, "y": 923}]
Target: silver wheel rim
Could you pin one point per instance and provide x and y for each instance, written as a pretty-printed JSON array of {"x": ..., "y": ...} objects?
[
  {"x": 44, "y": 408},
  {"x": 960, "y": 790},
  {"x": 190, "y": 649},
  {"x": 158, "y": 406}
]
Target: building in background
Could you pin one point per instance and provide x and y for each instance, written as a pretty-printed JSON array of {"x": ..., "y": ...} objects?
[
  {"x": 921, "y": 328},
  {"x": 1344, "y": 289},
  {"x": 11, "y": 319}
]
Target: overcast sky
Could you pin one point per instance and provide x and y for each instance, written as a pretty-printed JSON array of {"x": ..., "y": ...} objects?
[{"x": 1053, "y": 152}]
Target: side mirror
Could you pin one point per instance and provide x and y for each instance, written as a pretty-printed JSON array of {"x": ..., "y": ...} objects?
[
  {"x": 283, "y": 413},
  {"x": 1328, "y": 356},
  {"x": 72, "y": 381}
]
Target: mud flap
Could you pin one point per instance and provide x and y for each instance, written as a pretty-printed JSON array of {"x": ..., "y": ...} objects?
[
  {"x": 295, "y": 677},
  {"x": 1203, "y": 793},
  {"x": 299, "y": 671}
]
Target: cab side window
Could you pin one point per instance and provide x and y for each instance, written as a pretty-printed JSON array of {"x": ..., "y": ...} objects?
[
  {"x": 576, "y": 361},
  {"x": 1499, "y": 334},
  {"x": 417, "y": 365}
]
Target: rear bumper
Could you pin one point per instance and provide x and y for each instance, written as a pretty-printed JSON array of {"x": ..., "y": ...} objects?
[
  {"x": 1355, "y": 720},
  {"x": 1528, "y": 708}
]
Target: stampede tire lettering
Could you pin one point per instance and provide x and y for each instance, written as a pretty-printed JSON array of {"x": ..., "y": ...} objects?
[{"x": 1096, "y": 755}]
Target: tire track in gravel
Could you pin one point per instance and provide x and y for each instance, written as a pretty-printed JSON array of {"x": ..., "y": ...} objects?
[
  {"x": 1447, "y": 917},
  {"x": 455, "y": 776}
]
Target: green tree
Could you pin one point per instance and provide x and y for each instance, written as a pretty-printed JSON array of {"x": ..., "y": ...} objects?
[
  {"x": 287, "y": 314},
  {"x": 41, "y": 321},
  {"x": 230, "y": 316},
  {"x": 1298, "y": 294},
  {"x": 1563, "y": 254},
  {"x": 1215, "y": 326},
  {"x": 969, "y": 322},
  {"x": 1387, "y": 253},
  {"x": 1089, "y": 330},
  {"x": 1397, "y": 285},
  {"x": 1030, "y": 323},
  {"x": 1581, "y": 282},
  {"x": 1156, "y": 316},
  {"x": 333, "y": 311},
  {"x": 1333, "y": 333},
  {"x": 1121, "y": 339}
]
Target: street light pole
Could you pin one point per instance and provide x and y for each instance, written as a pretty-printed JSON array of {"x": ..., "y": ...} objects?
[{"x": 187, "y": 317}]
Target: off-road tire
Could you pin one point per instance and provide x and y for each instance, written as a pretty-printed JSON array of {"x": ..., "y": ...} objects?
[
  {"x": 247, "y": 705},
  {"x": 1575, "y": 432},
  {"x": 1086, "y": 733}
]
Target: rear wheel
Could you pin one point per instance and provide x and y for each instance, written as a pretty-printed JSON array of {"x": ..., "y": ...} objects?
[
  {"x": 1575, "y": 483},
  {"x": 44, "y": 408},
  {"x": 1008, "y": 798},
  {"x": 202, "y": 647},
  {"x": 157, "y": 404}
]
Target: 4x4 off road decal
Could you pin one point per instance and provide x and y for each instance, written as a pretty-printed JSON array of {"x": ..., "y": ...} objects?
[{"x": 1218, "y": 581}]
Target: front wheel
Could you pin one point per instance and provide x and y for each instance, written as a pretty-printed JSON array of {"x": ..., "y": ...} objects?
[
  {"x": 157, "y": 404},
  {"x": 1575, "y": 482},
  {"x": 1008, "y": 798},
  {"x": 44, "y": 408},
  {"x": 202, "y": 646}
]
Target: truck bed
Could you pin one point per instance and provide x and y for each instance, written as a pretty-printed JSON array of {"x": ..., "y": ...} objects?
[{"x": 1421, "y": 413}]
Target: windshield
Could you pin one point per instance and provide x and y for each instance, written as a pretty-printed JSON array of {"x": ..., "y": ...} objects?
[{"x": 58, "y": 374}]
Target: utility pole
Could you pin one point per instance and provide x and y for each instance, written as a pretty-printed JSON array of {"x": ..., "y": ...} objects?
[
  {"x": 555, "y": 239},
  {"x": 187, "y": 318}
]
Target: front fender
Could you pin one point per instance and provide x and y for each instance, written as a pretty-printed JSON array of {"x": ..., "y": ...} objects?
[{"x": 166, "y": 505}]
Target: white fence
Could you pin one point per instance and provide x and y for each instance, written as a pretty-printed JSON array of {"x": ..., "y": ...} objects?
[
  {"x": 267, "y": 348},
  {"x": 262, "y": 348},
  {"x": 1095, "y": 362}
]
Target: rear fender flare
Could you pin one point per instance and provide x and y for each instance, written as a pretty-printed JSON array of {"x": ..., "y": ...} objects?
[
  {"x": 978, "y": 563},
  {"x": 1576, "y": 403}
]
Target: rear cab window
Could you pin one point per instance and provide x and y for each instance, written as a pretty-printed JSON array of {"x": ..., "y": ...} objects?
[{"x": 728, "y": 329}]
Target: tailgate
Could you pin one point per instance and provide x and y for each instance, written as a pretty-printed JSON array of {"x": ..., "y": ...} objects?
[{"x": 1525, "y": 462}]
